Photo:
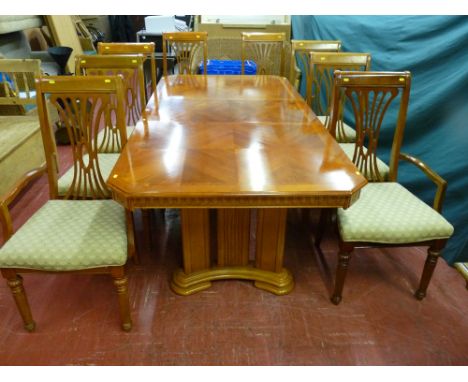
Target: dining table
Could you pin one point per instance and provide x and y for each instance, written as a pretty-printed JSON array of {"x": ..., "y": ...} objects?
[{"x": 233, "y": 153}]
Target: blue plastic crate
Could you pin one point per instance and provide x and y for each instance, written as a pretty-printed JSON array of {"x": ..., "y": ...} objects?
[{"x": 228, "y": 67}]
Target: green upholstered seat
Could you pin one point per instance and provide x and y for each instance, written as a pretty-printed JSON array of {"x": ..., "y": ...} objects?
[
  {"x": 69, "y": 235},
  {"x": 106, "y": 164},
  {"x": 384, "y": 170},
  {"x": 349, "y": 131},
  {"x": 389, "y": 213},
  {"x": 463, "y": 269},
  {"x": 101, "y": 138}
]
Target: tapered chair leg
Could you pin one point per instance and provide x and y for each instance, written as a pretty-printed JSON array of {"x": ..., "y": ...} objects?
[
  {"x": 15, "y": 282},
  {"x": 121, "y": 285},
  {"x": 429, "y": 266},
  {"x": 342, "y": 267}
]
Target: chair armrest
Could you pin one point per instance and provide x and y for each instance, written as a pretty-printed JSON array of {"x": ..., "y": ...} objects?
[
  {"x": 10, "y": 196},
  {"x": 432, "y": 175}
]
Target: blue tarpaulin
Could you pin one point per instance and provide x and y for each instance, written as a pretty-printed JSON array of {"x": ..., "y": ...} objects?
[{"x": 435, "y": 50}]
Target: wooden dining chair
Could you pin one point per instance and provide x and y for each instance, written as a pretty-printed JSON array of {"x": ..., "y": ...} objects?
[
  {"x": 147, "y": 49},
  {"x": 320, "y": 85},
  {"x": 386, "y": 213},
  {"x": 130, "y": 67},
  {"x": 266, "y": 49},
  {"x": 187, "y": 47},
  {"x": 300, "y": 57},
  {"x": 320, "y": 88},
  {"x": 77, "y": 105},
  {"x": 83, "y": 231}
]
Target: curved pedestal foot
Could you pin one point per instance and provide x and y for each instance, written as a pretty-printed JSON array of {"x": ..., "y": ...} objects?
[{"x": 279, "y": 283}]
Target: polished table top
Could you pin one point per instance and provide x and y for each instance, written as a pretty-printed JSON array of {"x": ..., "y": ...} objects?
[{"x": 216, "y": 141}]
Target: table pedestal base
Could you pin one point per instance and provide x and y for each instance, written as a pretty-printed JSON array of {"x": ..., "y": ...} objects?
[
  {"x": 216, "y": 247},
  {"x": 279, "y": 283}
]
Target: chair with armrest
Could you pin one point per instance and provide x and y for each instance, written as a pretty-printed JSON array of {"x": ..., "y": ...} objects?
[
  {"x": 185, "y": 46},
  {"x": 386, "y": 214},
  {"x": 129, "y": 48},
  {"x": 82, "y": 232},
  {"x": 300, "y": 55},
  {"x": 131, "y": 68},
  {"x": 266, "y": 49},
  {"x": 320, "y": 85}
]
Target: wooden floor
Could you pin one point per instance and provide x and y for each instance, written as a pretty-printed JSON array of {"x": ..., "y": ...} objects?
[{"x": 379, "y": 321}]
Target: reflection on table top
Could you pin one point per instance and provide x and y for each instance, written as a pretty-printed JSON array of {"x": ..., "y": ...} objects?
[{"x": 233, "y": 136}]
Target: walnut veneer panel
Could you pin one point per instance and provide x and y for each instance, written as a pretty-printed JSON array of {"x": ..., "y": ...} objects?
[{"x": 230, "y": 141}]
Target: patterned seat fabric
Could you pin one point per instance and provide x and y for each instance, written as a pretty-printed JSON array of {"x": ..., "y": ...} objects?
[
  {"x": 106, "y": 164},
  {"x": 389, "y": 213},
  {"x": 384, "y": 170},
  {"x": 69, "y": 235}
]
